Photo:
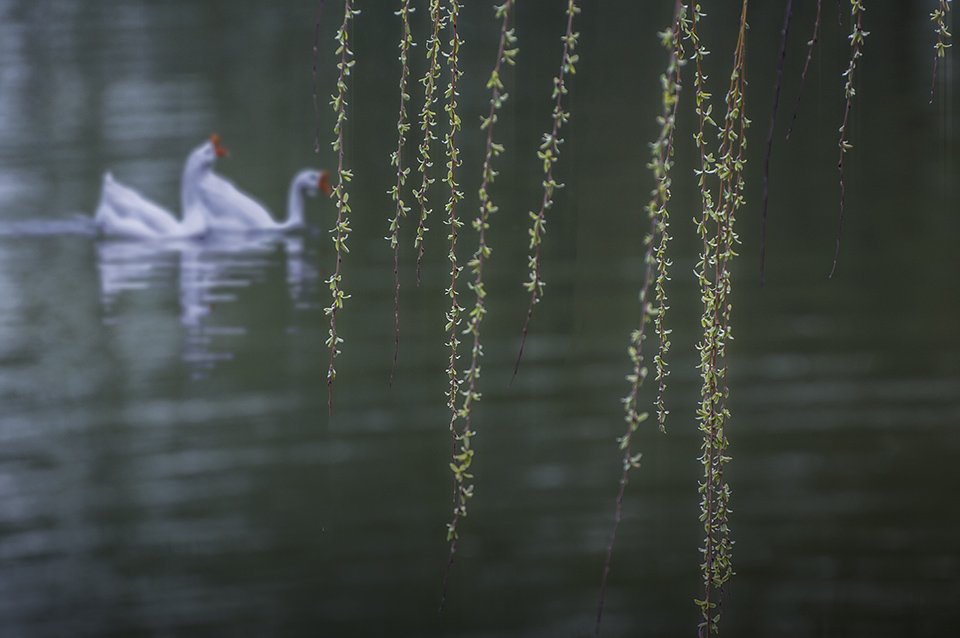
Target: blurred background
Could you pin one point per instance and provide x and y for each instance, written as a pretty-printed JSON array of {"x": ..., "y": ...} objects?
[{"x": 167, "y": 464}]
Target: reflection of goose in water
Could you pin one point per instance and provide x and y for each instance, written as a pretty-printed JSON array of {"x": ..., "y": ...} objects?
[
  {"x": 230, "y": 209},
  {"x": 211, "y": 273},
  {"x": 124, "y": 212},
  {"x": 131, "y": 266},
  {"x": 302, "y": 276}
]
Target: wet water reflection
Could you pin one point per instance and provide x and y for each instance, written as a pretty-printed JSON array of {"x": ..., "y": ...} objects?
[
  {"x": 167, "y": 465},
  {"x": 209, "y": 273}
]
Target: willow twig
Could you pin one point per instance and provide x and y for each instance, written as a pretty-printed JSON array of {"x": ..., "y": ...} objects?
[
  {"x": 806, "y": 65},
  {"x": 773, "y": 119},
  {"x": 655, "y": 275},
  {"x": 342, "y": 228},
  {"x": 463, "y": 456},
  {"x": 396, "y": 159},
  {"x": 856, "y": 40},
  {"x": 427, "y": 122},
  {"x": 939, "y": 16},
  {"x": 549, "y": 152}
]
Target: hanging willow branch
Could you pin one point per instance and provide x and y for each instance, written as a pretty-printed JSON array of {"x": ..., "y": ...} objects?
[
  {"x": 856, "y": 40},
  {"x": 803, "y": 76},
  {"x": 462, "y": 459},
  {"x": 549, "y": 153},
  {"x": 428, "y": 120},
  {"x": 719, "y": 239},
  {"x": 505, "y": 54},
  {"x": 462, "y": 452},
  {"x": 403, "y": 127},
  {"x": 657, "y": 266},
  {"x": 773, "y": 119},
  {"x": 939, "y": 16},
  {"x": 342, "y": 228}
]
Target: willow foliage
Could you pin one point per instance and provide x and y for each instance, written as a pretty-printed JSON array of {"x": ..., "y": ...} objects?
[{"x": 721, "y": 141}]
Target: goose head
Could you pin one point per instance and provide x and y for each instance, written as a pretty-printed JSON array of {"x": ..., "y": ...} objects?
[
  {"x": 312, "y": 182},
  {"x": 199, "y": 165},
  {"x": 307, "y": 182},
  {"x": 203, "y": 158}
]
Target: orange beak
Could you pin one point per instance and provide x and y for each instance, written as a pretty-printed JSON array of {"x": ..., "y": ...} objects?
[
  {"x": 324, "y": 183},
  {"x": 215, "y": 140}
]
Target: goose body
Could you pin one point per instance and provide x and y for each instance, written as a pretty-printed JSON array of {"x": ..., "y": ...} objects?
[
  {"x": 229, "y": 209},
  {"x": 124, "y": 212}
]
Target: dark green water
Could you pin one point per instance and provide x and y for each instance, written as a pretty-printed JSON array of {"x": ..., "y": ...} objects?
[{"x": 167, "y": 465}]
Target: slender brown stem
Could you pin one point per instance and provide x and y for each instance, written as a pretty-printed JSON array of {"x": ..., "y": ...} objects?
[
  {"x": 716, "y": 228},
  {"x": 461, "y": 462},
  {"x": 427, "y": 122},
  {"x": 661, "y": 163},
  {"x": 939, "y": 16},
  {"x": 856, "y": 39},
  {"x": 549, "y": 153},
  {"x": 397, "y": 160},
  {"x": 342, "y": 229},
  {"x": 773, "y": 119},
  {"x": 481, "y": 223},
  {"x": 806, "y": 65}
]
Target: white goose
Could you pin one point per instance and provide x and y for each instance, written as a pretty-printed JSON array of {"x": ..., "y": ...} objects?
[
  {"x": 124, "y": 212},
  {"x": 230, "y": 209}
]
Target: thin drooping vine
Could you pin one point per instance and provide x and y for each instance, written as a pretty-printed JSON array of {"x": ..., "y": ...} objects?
[
  {"x": 396, "y": 159},
  {"x": 856, "y": 41},
  {"x": 506, "y": 54},
  {"x": 462, "y": 452},
  {"x": 773, "y": 120},
  {"x": 657, "y": 266},
  {"x": 341, "y": 230},
  {"x": 716, "y": 228},
  {"x": 549, "y": 152},
  {"x": 939, "y": 17},
  {"x": 428, "y": 120},
  {"x": 722, "y": 190},
  {"x": 806, "y": 65}
]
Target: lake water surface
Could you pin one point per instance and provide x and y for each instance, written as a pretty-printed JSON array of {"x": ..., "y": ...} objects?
[{"x": 167, "y": 463}]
